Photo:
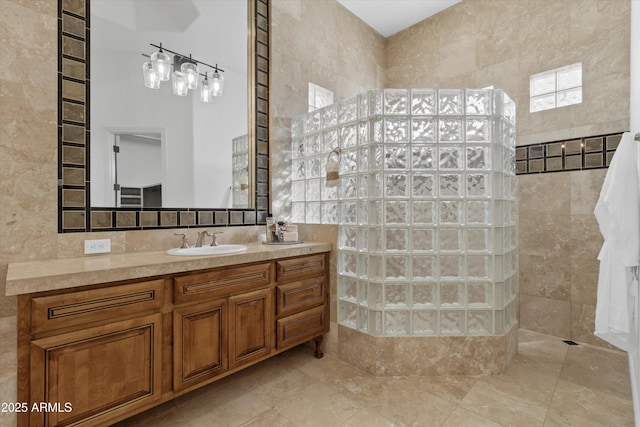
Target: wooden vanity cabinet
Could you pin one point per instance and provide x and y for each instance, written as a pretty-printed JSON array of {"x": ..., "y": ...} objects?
[
  {"x": 302, "y": 307},
  {"x": 114, "y": 350},
  {"x": 93, "y": 355}
]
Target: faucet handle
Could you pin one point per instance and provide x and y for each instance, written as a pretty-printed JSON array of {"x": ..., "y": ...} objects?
[
  {"x": 214, "y": 241},
  {"x": 185, "y": 240}
]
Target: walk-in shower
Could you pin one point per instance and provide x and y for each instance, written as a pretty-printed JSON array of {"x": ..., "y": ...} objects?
[{"x": 426, "y": 230}]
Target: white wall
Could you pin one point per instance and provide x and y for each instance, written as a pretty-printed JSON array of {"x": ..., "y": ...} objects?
[{"x": 139, "y": 162}]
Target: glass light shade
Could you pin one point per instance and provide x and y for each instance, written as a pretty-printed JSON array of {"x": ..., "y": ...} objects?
[
  {"x": 205, "y": 91},
  {"x": 151, "y": 76},
  {"x": 180, "y": 86},
  {"x": 217, "y": 84},
  {"x": 191, "y": 72},
  {"x": 162, "y": 63}
]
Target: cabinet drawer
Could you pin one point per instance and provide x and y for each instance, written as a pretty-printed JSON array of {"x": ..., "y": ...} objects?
[
  {"x": 298, "y": 296},
  {"x": 220, "y": 283},
  {"x": 300, "y": 268},
  {"x": 301, "y": 327},
  {"x": 78, "y": 308}
]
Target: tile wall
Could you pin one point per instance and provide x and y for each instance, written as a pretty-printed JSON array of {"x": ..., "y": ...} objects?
[{"x": 481, "y": 43}]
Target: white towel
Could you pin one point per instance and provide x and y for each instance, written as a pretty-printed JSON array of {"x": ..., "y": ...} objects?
[{"x": 618, "y": 215}]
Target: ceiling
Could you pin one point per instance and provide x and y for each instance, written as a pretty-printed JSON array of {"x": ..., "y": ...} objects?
[{"x": 390, "y": 16}]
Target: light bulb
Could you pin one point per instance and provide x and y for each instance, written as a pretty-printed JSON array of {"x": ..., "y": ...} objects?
[
  {"x": 151, "y": 76},
  {"x": 191, "y": 73},
  {"x": 205, "y": 91},
  {"x": 162, "y": 64},
  {"x": 180, "y": 86},
  {"x": 217, "y": 84}
]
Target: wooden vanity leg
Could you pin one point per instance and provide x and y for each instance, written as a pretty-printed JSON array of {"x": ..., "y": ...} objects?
[{"x": 318, "y": 353}]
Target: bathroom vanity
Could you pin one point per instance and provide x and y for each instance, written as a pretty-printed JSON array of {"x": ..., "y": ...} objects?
[{"x": 103, "y": 338}]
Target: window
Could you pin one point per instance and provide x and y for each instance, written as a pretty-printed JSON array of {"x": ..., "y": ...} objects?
[
  {"x": 556, "y": 88},
  {"x": 319, "y": 97}
]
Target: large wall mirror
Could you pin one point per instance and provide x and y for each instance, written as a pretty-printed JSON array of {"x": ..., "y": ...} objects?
[{"x": 131, "y": 157}]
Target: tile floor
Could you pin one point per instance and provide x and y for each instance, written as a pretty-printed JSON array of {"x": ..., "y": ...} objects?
[{"x": 549, "y": 384}]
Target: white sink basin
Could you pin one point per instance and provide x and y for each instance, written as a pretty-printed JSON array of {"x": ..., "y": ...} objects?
[{"x": 207, "y": 250}]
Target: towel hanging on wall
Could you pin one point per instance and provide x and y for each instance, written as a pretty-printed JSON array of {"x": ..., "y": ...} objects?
[{"x": 618, "y": 215}]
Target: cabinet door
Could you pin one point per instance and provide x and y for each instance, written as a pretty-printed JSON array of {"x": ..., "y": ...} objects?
[
  {"x": 103, "y": 373},
  {"x": 251, "y": 326},
  {"x": 199, "y": 343}
]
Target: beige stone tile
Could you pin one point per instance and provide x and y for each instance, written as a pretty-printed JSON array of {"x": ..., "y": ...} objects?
[
  {"x": 545, "y": 315},
  {"x": 285, "y": 385},
  {"x": 537, "y": 21},
  {"x": 8, "y": 358},
  {"x": 496, "y": 46},
  {"x": 368, "y": 417},
  {"x": 583, "y": 325},
  {"x": 8, "y": 393},
  {"x": 545, "y": 276},
  {"x": 502, "y": 75},
  {"x": 357, "y": 385},
  {"x": 457, "y": 58},
  {"x": 544, "y": 235},
  {"x": 8, "y": 327},
  {"x": 608, "y": 370},
  {"x": 236, "y": 411},
  {"x": 302, "y": 410},
  {"x": 403, "y": 401},
  {"x": 544, "y": 194},
  {"x": 163, "y": 415},
  {"x": 587, "y": 129},
  {"x": 540, "y": 353},
  {"x": 465, "y": 418},
  {"x": 584, "y": 280},
  {"x": 503, "y": 399},
  {"x": 453, "y": 389},
  {"x": 350, "y": 347},
  {"x": 502, "y": 408},
  {"x": 586, "y": 240},
  {"x": 589, "y": 19},
  {"x": 585, "y": 190},
  {"x": 269, "y": 418},
  {"x": 602, "y": 92},
  {"x": 576, "y": 405}
]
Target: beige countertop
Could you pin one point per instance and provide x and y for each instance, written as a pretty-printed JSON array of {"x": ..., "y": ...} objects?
[{"x": 39, "y": 276}]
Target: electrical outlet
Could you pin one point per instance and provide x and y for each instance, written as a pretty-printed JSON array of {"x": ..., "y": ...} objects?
[{"x": 101, "y": 246}]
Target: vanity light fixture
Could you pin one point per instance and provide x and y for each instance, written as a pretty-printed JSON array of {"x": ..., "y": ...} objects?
[{"x": 185, "y": 74}]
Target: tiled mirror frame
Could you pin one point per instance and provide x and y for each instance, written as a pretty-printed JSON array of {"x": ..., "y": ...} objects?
[{"x": 75, "y": 213}]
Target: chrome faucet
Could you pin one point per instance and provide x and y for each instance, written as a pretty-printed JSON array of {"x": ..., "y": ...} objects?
[
  {"x": 202, "y": 235},
  {"x": 214, "y": 242},
  {"x": 185, "y": 240}
]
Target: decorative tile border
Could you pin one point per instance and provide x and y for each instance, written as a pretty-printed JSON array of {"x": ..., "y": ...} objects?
[
  {"x": 591, "y": 152},
  {"x": 75, "y": 213}
]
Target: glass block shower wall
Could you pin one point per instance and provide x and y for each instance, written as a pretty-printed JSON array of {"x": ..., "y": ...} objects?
[{"x": 426, "y": 233}]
